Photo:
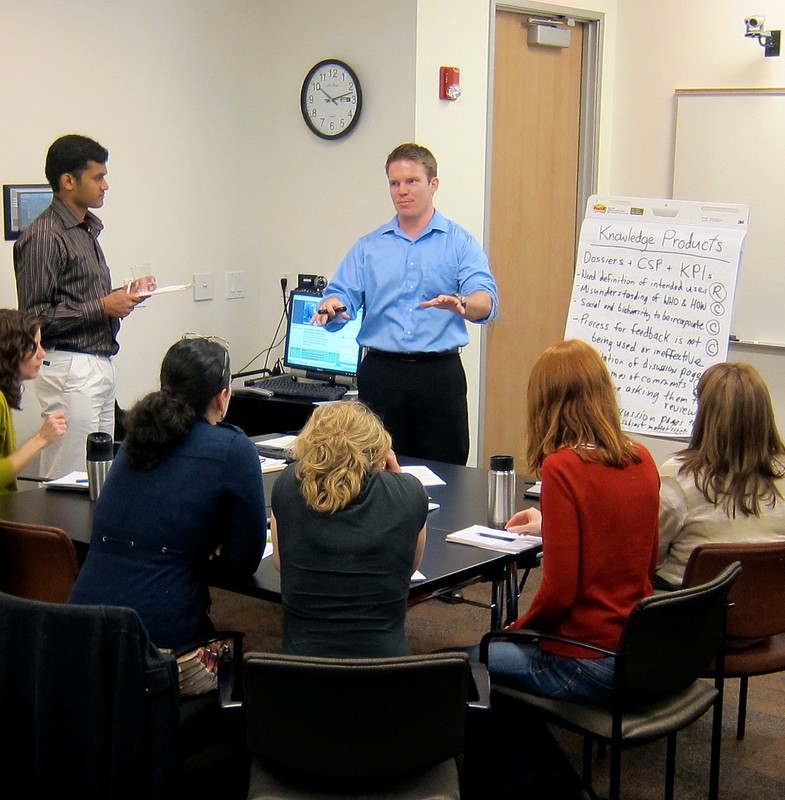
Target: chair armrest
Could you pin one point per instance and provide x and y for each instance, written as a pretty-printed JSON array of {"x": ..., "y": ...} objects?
[
  {"x": 528, "y": 635},
  {"x": 482, "y": 686}
]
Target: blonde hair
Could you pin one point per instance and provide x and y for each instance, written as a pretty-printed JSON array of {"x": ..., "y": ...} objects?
[
  {"x": 571, "y": 402},
  {"x": 340, "y": 445}
]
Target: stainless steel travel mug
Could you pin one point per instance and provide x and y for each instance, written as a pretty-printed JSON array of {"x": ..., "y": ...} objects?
[
  {"x": 501, "y": 490},
  {"x": 100, "y": 453}
]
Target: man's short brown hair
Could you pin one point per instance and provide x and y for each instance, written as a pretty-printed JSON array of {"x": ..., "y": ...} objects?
[{"x": 413, "y": 152}]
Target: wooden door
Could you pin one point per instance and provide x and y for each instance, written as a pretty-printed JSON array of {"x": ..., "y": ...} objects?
[{"x": 534, "y": 187}]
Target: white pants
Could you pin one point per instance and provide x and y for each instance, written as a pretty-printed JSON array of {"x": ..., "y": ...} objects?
[{"x": 82, "y": 386}]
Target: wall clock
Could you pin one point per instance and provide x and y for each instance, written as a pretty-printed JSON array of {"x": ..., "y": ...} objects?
[{"x": 331, "y": 99}]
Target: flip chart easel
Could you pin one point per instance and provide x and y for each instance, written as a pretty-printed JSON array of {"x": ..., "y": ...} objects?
[{"x": 653, "y": 292}]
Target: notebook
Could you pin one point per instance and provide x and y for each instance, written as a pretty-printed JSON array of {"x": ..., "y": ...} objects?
[{"x": 313, "y": 356}]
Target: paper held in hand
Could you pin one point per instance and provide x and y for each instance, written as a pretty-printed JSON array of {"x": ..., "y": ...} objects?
[
  {"x": 494, "y": 539},
  {"x": 165, "y": 290}
]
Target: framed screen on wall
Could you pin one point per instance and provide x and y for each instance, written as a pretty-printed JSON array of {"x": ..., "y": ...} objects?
[{"x": 22, "y": 204}]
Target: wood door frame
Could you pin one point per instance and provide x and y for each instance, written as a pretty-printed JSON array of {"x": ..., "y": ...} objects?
[{"x": 588, "y": 146}]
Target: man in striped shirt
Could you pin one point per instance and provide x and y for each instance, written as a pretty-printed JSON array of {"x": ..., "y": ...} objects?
[{"x": 63, "y": 278}]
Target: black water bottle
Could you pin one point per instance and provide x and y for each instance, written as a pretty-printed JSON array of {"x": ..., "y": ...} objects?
[{"x": 100, "y": 453}]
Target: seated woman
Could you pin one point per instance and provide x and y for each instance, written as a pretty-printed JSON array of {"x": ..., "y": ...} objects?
[
  {"x": 599, "y": 504},
  {"x": 184, "y": 490},
  {"x": 598, "y": 521},
  {"x": 21, "y": 356},
  {"x": 727, "y": 486},
  {"x": 348, "y": 530}
]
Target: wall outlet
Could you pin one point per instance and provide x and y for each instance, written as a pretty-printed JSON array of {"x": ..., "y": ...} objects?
[
  {"x": 204, "y": 286},
  {"x": 235, "y": 285}
]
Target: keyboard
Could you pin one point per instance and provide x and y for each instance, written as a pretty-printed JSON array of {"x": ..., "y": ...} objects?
[{"x": 285, "y": 386}]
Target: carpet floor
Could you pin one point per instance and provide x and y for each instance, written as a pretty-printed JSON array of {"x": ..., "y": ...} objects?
[{"x": 752, "y": 769}]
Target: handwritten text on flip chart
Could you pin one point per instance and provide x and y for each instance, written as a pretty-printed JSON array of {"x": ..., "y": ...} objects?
[{"x": 656, "y": 300}]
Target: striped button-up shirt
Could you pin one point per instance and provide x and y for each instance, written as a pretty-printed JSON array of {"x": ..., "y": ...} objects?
[{"x": 61, "y": 276}]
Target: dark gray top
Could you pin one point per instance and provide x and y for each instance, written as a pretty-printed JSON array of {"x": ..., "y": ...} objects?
[{"x": 345, "y": 576}]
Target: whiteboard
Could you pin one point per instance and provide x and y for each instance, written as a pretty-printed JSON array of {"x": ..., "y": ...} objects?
[{"x": 729, "y": 148}]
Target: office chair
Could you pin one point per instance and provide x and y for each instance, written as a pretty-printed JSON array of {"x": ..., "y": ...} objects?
[
  {"x": 756, "y": 623},
  {"x": 332, "y": 727},
  {"x": 38, "y": 562},
  {"x": 89, "y": 705},
  {"x": 666, "y": 644}
]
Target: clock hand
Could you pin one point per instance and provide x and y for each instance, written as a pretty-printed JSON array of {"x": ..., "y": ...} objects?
[
  {"x": 327, "y": 95},
  {"x": 338, "y": 97}
]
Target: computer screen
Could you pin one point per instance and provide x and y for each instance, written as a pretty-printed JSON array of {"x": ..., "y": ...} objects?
[
  {"x": 313, "y": 349},
  {"x": 22, "y": 204}
]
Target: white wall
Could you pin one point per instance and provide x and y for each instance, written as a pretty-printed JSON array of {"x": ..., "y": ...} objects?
[
  {"x": 165, "y": 86},
  {"x": 695, "y": 45},
  {"x": 212, "y": 169}
]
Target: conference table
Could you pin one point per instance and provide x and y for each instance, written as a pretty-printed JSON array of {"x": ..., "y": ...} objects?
[{"x": 448, "y": 567}]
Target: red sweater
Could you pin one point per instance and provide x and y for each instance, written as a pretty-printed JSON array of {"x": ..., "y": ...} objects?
[{"x": 599, "y": 541}]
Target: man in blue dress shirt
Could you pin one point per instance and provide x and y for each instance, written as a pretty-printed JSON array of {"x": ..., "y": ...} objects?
[{"x": 420, "y": 277}]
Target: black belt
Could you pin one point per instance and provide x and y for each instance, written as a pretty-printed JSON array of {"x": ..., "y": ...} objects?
[{"x": 414, "y": 356}]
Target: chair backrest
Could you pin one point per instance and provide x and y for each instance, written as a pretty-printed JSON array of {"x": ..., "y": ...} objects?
[
  {"x": 86, "y": 702},
  {"x": 38, "y": 562},
  {"x": 669, "y": 639},
  {"x": 759, "y": 593},
  {"x": 355, "y": 721}
]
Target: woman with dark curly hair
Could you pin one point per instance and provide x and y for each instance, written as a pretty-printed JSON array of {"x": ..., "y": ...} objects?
[
  {"x": 183, "y": 496},
  {"x": 21, "y": 356},
  {"x": 348, "y": 530}
]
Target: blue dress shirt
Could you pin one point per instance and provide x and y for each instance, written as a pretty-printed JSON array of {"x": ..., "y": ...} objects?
[{"x": 391, "y": 275}]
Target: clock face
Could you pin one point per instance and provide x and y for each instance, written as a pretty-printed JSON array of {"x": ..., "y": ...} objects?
[{"x": 331, "y": 99}]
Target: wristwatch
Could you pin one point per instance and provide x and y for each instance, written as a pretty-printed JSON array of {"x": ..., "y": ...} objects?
[{"x": 461, "y": 299}]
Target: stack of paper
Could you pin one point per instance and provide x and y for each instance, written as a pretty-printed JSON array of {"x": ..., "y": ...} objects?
[
  {"x": 493, "y": 539},
  {"x": 73, "y": 480}
]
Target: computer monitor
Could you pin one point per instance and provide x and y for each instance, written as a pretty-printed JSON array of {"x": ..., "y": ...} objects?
[
  {"x": 22, "y": 204},
  {"x": 313, "y": 352}
]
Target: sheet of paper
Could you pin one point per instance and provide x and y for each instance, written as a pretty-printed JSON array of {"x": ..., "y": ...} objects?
[
  {"x": 272, "y": 464},
  {"x": 418, "y": 576},
  {"x": 167, "y": 289},
  {"x": 533, "y": 490},
  {"x": 278, "y": 441},
  {"x": 433, "y": 506},
  {"x": 425, "y": 475},
  {"x": 73, "y": 480},
  {"x": 493, "y": 539}
]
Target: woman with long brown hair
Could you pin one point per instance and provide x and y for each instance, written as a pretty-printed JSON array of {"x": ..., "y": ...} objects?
[
  {"x": 599, "y": 503},
  {"x": 21, "y": 356},
  {"x": 728, "y": 484},
  {"x": 598, "y": 521}
]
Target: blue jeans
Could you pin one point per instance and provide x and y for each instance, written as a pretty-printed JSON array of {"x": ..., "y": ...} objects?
[{"x": 524, "y": 666}]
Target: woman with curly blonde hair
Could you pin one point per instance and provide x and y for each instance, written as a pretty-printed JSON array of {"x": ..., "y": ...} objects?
[{"x": 348, "y": 530}]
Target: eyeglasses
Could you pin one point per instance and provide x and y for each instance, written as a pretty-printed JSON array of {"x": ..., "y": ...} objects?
[{"x": 216, "y": 340}]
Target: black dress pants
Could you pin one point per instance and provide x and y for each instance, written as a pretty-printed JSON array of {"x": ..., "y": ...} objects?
[{"x": 421, "y": 399}]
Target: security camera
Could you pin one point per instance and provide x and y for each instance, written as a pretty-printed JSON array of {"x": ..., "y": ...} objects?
[{"x": 754, "y": 24}]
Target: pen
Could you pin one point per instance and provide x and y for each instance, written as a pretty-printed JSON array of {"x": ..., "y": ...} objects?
[
  {"x": 495, "y": 536},
  {"x": 337, "y": 310},
  {"x": 81, "y": 480}
]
